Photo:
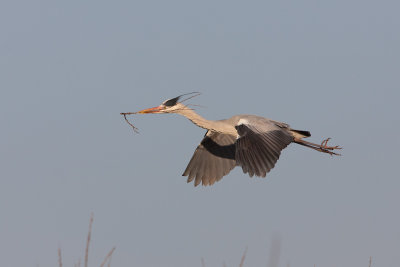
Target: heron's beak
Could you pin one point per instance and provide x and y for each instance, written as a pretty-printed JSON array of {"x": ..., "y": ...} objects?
[{"x": 150, "y": 110}]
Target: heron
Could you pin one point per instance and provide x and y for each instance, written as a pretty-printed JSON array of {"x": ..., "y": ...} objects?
[{"x": 252, "y": 142}]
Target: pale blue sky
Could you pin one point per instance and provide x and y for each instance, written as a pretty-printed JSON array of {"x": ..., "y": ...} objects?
[{"x": 68, "y": 68}]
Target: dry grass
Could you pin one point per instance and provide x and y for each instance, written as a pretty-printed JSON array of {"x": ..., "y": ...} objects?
[
  {"x": 275, "y": 248},
  {"x": 88, "y": 240},
  {"x": 243, "y": 258},
  {"x": 59, "y": 258},
  {"x": 106, "y": 260},
  {"x": 273, "y": 257}
]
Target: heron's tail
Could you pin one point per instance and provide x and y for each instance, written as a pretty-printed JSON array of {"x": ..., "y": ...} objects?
[{"x": 300, "y": 133}]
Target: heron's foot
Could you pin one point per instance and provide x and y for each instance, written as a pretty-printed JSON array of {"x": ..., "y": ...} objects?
[
  {"x": 328, "y": 149},
  {"x": 324, "y": 145}
]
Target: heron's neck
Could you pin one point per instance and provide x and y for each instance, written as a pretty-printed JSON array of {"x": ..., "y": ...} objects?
[{"x": 217, "y": 126}]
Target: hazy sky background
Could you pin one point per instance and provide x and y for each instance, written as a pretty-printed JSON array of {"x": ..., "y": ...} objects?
[{"x": 68, "y": 68}]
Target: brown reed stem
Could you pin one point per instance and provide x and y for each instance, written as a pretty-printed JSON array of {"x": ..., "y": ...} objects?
[
  {"x": 107, "y": 257},
  {"x": 243, "y": 258},
  {"x": 88, "y": 240},
  {"x": 59, "y": 258}
]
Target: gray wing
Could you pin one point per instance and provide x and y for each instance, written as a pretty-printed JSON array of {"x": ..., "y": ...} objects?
[
  {"x": 258, "y": 147},
  {"x": 213, "y": 159}
]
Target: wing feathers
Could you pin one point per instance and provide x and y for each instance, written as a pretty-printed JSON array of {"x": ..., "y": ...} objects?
[
  {"x": 257, "y": 151},
  {"x": 213, "y": 159}
]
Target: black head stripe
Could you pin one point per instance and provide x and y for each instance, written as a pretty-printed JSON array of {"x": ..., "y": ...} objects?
[{"x": 171, "y": 102}]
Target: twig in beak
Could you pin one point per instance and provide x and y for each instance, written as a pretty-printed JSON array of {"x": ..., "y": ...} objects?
[{"x": 136, "y": 130}]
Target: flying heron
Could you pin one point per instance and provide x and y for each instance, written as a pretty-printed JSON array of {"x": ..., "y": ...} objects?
[{"x": 251, "y": 142}]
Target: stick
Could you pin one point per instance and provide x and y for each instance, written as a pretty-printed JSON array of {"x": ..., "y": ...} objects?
[{"x": 136, "y": 130}]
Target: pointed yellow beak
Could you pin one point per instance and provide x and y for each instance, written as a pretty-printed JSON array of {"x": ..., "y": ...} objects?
[{"x": 150, "y": 110}]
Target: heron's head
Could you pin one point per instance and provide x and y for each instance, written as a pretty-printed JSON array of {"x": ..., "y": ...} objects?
[{"x": 172, "y": 105}]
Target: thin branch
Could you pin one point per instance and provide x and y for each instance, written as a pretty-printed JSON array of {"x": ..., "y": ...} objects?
[
  {"x": 88, "y": 240},
  {"x": 135, "y": 129},
  {"x": 107, "y": 257}
]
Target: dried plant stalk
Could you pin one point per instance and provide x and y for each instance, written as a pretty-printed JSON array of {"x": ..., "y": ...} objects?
[
  {"x": 243, "y": 258},
  {"x": 88, "y": 240},
  {"x": 59, "y": 258},
  {"x": 107, "y": 257}
]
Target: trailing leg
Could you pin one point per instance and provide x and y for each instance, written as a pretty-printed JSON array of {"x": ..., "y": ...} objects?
[{"x": 323, "y": 147}]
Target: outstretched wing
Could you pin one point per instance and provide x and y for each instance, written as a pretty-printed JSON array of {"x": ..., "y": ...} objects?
[
  {"x": 259, "y": 146},
  {"x": 213, "y": 159}
]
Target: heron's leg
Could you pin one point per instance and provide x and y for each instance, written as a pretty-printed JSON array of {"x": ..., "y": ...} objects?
[{"x": 323, "y": 147}]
